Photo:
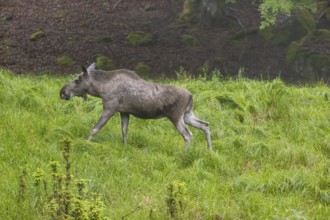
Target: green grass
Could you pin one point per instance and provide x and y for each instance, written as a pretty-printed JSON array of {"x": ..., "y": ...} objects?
[{"x": 271, "y": 157}]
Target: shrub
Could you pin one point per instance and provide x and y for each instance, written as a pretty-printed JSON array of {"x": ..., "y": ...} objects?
[
  {"x": 37, "y": 36},
  {"x": 176, "y": 198},
  {"x": 140, "y": 38},
  {"x": 66, "y": 198},
  {"x": 106, "y": 39},
  {"x": 105, "y": 63},
  {"x": 190, "y": 40},
  {"x": 142, "y": 69},
  {"x": 65, "y": 61}
]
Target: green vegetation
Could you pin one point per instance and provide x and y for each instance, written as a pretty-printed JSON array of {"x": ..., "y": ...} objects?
[
  {"x": 65, "y": 61},
  {"x": 139, "y": 38},
  {"x": 176, "y": 199},
  {"x": 271, "y": 157},
  {"x": 269, "y": 9},
  {"x": 105, "y": 63},
  {"x": 37, "y": 36},
  {"x": 327, "y": 14},
  {"x": 310, "y": 61},
  {"x": 105, "y": 39},
  {"x": 143, "y": 70},
  {"x": 301, "y": 24},
  {"x": 61, "y": 195},
  {"x": 190, "y": 40}
]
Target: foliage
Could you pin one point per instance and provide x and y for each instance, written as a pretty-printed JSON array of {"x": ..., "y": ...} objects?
[
  {"x": 176, "y": 198},
  {"x": 269, "y": 10},
  {"x": 190, "y": 40},
  {"x": 65, "y": 61},
  {"x": 105, "y": 63},
  {"x": 67, "y": 198},
  {"x": 143, "y": 69},
  {"x": 270, "y": 158},
  {"x": 312, "y": 62},
  {"x": 106, "y": 39},
  {"x": 139, "y": 38},
  {"x": 300, "y": 25},
  {"x": 37, "y": 36},
  {"x": 182, "y": 74}
]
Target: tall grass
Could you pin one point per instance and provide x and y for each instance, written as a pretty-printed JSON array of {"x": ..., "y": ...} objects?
[{"x": 271, "y": 157}]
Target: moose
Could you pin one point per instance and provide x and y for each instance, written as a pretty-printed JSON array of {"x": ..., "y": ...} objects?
[{"x": 126, "y": 92}]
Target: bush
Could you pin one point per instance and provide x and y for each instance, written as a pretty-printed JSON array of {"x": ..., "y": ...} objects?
[
  {"x": 140, "y": 38},
  {"x": 105, "y": 63},
  {"x": 143, "y": 70},
  {"x": 59, "y": 194},
  {"x": 106, "y": 39},
  {"x": 176, "y": 198},
  {"x": 37, "y": 36},
  {"x": 65, "y": 61},
  {"x": 189, "y": 40}
]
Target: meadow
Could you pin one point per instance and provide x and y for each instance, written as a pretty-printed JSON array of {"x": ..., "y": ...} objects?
[{"x": 270, "y": 158}]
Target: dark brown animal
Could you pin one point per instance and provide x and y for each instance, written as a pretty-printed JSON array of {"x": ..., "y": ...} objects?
[{"x": 125, "y": 92}]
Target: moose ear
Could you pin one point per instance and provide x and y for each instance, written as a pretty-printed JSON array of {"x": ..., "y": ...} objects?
[{"x": 91, "y": 68}]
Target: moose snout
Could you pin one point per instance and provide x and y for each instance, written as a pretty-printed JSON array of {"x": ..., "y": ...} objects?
[{"x": 65, "y": 95}]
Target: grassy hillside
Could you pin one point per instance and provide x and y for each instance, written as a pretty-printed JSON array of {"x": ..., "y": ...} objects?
[{"x": 271, "y": 156}]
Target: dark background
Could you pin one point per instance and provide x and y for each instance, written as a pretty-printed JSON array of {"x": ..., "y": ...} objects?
[{"x": 77, "y": 28}]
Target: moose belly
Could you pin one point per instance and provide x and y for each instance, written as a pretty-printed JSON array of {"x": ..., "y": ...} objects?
[
  {"x": 147, "y": 114},
  {"x": 142, "y": 105}
]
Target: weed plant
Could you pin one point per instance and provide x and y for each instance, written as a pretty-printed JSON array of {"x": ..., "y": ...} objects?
[{"x": 271, "y": 157}]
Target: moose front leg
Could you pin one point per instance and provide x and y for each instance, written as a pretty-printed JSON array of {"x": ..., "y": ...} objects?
[
  {"x": 124, "y": 125},
  {"x": 101, "y": 122}
]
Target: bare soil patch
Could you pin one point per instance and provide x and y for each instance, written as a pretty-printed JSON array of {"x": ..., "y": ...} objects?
[{"x": 77, "y": 28}]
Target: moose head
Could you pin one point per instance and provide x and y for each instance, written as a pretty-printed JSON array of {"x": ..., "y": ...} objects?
[{"x": 77, "y": 87}]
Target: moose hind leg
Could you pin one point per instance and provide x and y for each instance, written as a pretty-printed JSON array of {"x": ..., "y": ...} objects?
[
  {"x": 184, "y": 131},
  {"x": 124, "y": 125},
  {"x": 192, "y": 120}
]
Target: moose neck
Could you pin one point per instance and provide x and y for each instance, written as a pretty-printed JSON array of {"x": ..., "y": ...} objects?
[{"x": 96, "y": 87}]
